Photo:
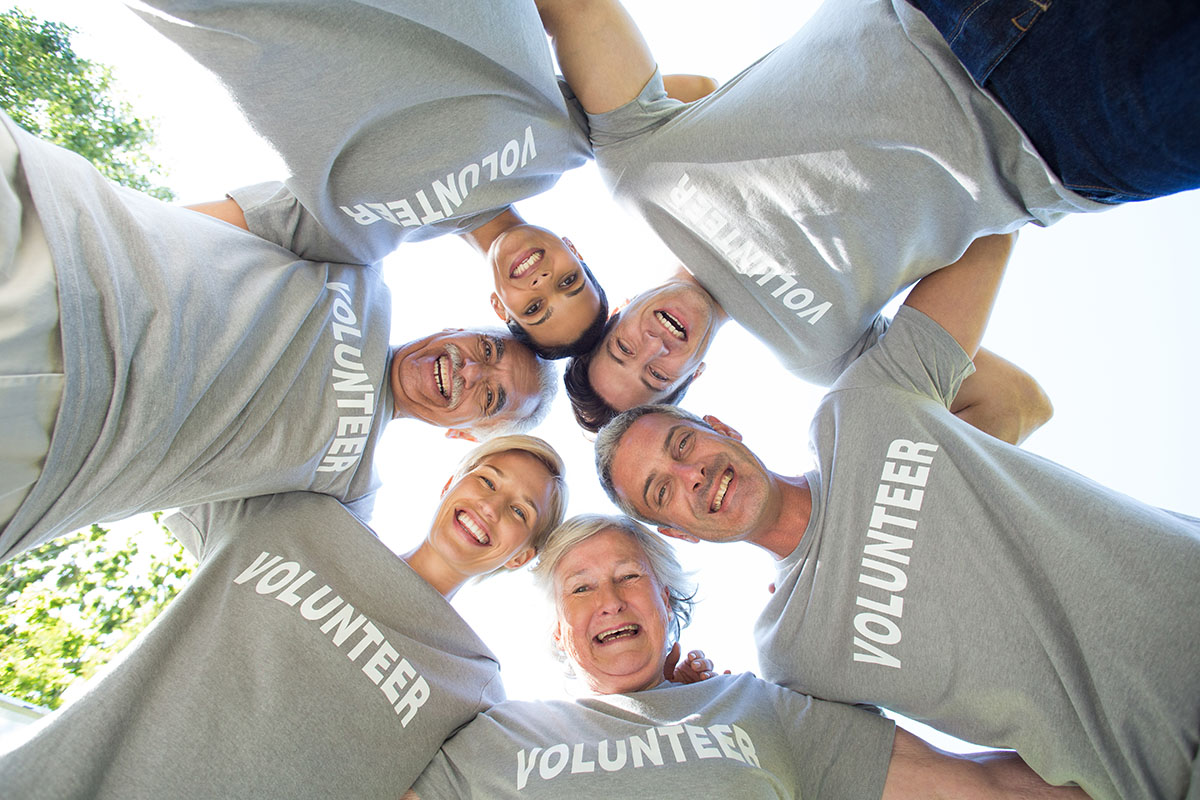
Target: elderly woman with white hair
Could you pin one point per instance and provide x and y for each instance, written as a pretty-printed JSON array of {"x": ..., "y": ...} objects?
[
  {"x": 304, "y": 659},
  {"x": 620, "y": 599}
]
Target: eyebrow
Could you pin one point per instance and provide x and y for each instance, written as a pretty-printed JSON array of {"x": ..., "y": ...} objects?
[
  {"x": 526, "y": 498},
  {"x": 549, "y": 313},
  {"x": 666, "y": 451}
]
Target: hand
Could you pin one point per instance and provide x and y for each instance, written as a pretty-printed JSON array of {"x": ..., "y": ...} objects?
[{"x": 695, "y": 669}]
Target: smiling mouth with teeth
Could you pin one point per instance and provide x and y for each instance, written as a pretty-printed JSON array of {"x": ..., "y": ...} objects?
[
  {"x": 472, "y": 527},
  {"x": 672, "y": 325},
  {"x": 723, "y": 487},
  {"x": 618, "y": 633},
  {"x": 442, "y": 374},
  {"x": 529, "y": 262}
]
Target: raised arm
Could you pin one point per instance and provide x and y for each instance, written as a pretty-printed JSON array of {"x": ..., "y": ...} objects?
[
  {"x": 600, "y": 50},
  {"x": 920, "y": 772},
  {"x": 1002, "y": 399},
  {"x": 960, "y": 297}
]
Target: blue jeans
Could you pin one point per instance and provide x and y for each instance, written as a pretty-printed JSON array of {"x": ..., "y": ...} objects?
[{"x": 1107, "y": 90}]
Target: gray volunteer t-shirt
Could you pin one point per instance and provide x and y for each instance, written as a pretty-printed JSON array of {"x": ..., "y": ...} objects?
[
  {"x": 975, "y": 586},
  {"x": 730, "y": 736},
  {"x": 806, "y": 192},
  {"x": 303, "y": 660},
  {"x": 202, "y": 362},
  {"x": 399, "y": 120}
]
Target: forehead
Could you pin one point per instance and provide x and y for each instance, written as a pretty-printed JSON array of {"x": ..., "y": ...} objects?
[
  {"x": 520, "y": 470},
  {"x": 571, "y": 316},
  {"x": 620, "y": 385},
  {"x": 599, "y": 553},
  {"x": 639, "y": 451},
  {"x": 520, "y": 377}
]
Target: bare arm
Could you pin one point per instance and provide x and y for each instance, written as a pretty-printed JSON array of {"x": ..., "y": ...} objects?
[
  {"x": 409, "y": 795},
  {"x": 920, "y": 772},
  {"x": 1002, "y": 399},
  {"x": 227, "y": 210},
  {"x": 960, "y": 297},
  {"x": 600, "y": 50},
  {"x": 688, "y": 88}
]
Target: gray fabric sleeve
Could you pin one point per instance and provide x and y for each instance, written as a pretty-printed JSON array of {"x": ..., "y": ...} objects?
[
  {"x": 650, "y": 109},
  {"x": 274, "y": 213},
  {"x": 916, "y": 355},
  {"x": 188, "y": 530},
  {"x": 845, "y": 750}
]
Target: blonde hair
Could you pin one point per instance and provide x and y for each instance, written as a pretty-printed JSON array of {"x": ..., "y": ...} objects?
[{"x": 543, "y": 451}]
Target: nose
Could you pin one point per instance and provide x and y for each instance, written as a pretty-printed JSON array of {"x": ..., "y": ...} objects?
[
  {"x": 489, "y": 507},
  {"x": 652, "y": 345},
  {"x": 541, "y": 275},
  {"x": 692, "y": 475},
  {"x": 609, "y": 597},
  {"x": 472, "y": 372}
]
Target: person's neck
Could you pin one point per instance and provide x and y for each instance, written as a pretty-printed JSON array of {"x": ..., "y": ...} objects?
[
  {"x": 482, "y": 237},
  {"x": 784, "y": 534},
  {"x": 434, "y": 570}
]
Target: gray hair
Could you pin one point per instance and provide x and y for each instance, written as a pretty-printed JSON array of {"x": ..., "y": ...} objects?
[
  {"x": 609, "y": 438},
  {"x": 547, "y": 376},
  {"x": 681, "y": 592}
]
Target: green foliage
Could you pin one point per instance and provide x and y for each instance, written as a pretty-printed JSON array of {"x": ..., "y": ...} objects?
[
  {"x": 48, "y": 90},
  {"x": 69, "y": 606}
]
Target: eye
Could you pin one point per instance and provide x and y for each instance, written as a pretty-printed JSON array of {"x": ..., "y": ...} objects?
[
  {"x": 662, "y": 494},
  {"x": 683, "y": 442},
  {"x": 487, "y": 482},
  {"x": 658, "y": 376},
  {"x": 485, "y": 345},
  {"x": 624, "y": 349},
  {"x": 569, "y": 281},
  {"x": 491, "y": 397},
  {"x": 631, "y": 576},
  {"x": 532, "y": 308},
  {"x": 580, "y": 589},
  {"x": 520, "y": 512}
]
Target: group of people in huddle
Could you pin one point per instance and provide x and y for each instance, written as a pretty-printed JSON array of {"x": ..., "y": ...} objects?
[{"x": 232, "y": 360}]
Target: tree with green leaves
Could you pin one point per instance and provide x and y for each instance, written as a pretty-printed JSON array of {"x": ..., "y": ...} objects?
[
  {"x": 50, "y": 91},
  {"x": 72, "y": 604},
  {"x": 69, "y": 606}
]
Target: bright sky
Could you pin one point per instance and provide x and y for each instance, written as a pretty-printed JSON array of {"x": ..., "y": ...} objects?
[{"x": 1095, "y": 307}]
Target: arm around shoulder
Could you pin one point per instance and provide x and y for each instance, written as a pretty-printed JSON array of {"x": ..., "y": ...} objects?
[
  {"x": 1002, "y": 399},
  {"x": 920, "y": 772}
]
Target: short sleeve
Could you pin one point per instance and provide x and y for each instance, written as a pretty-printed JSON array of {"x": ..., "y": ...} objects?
[
  {"x": 840, "y": 750},
  {"x": 200, "y": 528},
  {"x": 649, "y": 110},
  {"x": 274, "y": 213},
  {"x": 916, "y": 355}
]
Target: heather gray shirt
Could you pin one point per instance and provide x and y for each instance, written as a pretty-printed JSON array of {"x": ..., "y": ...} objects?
[
  {"x": 993, "y": 594},
  {"x": 201, "y": 362},
  {"x": 806, "y": 192},
  {"x": 730, "y": 736},
  {"x": 399, "y": 120},
  {"x": 303, "y": 660}
]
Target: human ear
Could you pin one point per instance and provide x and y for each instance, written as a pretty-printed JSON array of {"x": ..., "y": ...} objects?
[
  {"x": 570, "y": 246},
  {"x": 676, "y": 533},
  {"x": 499, "y": 308},
  {"x": 460, "y": 433},
  {"x": 520, "y": 559},
  {"x": 722, "y": 428},
  {"x": 699, "y": 370}
]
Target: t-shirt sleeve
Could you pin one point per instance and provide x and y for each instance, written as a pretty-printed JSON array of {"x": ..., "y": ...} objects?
[
  {"x": 650, "y": 109},
  {"x": 840, "y": 750},
  {"x": 441, "y": 780},
  {"x": 200, "y": 528},
  {"x": 825, "y": 374},
  {"x": 916, "y": 355},
  {"x": 274, "y": 213}
]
